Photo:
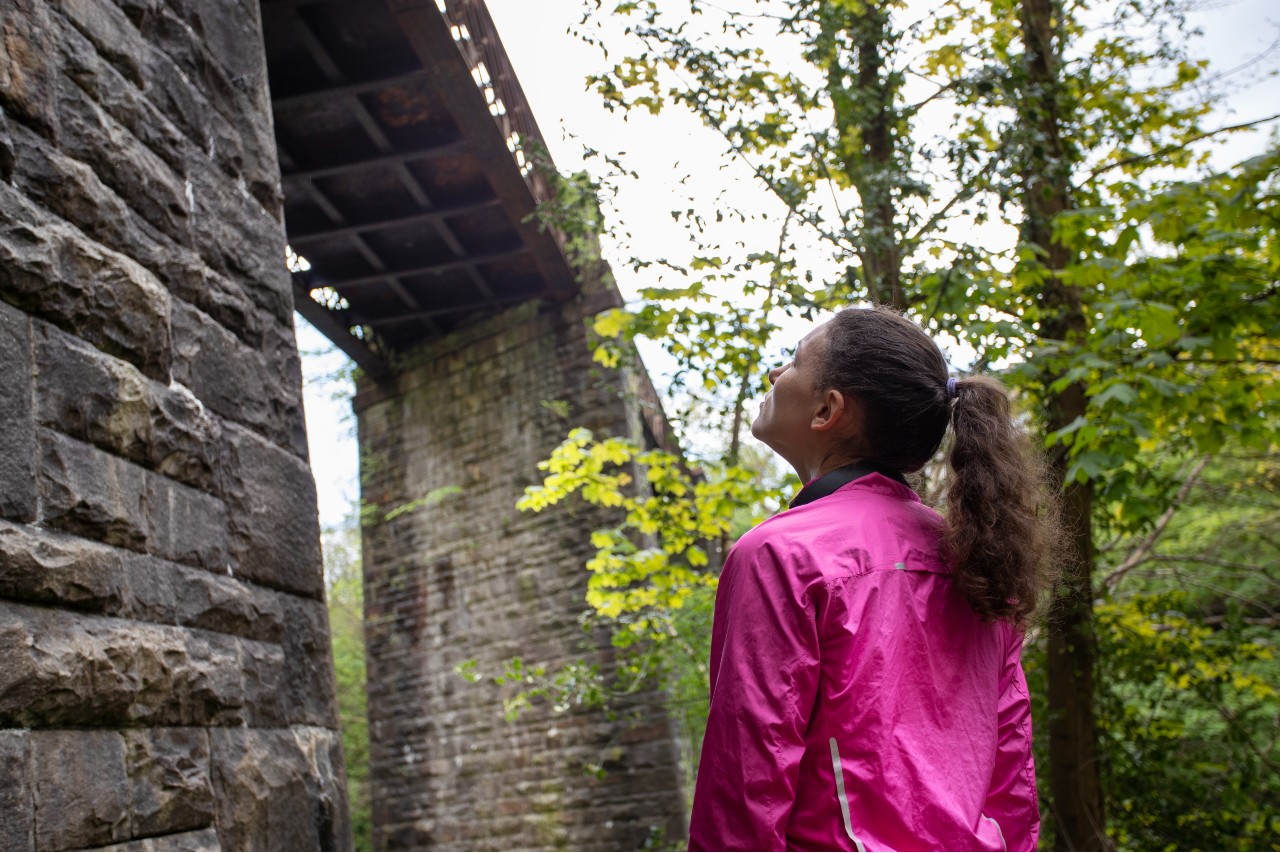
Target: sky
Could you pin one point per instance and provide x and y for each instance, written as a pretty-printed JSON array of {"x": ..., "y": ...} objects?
[{"x": 677, "y": 158}]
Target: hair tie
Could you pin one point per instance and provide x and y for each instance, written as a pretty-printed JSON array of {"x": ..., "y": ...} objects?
[{"x": 951, "y": 388}]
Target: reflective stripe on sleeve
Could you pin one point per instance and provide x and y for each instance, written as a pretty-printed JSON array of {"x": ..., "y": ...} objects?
[{"x": 840, "y": 795}]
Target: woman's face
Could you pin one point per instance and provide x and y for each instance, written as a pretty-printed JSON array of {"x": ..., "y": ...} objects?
[{"x": 786, "y": 415}]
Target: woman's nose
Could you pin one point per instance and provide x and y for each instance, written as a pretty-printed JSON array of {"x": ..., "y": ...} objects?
[{"x": 776, "y": 372}]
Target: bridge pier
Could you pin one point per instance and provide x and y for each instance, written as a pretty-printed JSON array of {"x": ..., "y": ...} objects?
[
  {"x": 453, "y": 573},
  {"x": 165, "y": 673}
]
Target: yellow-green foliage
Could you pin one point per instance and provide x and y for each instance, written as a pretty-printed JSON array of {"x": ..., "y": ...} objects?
[{"x": 646, "y": 567}]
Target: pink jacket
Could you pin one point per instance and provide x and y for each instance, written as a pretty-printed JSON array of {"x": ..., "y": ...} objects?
[{"x": 857, "y": 701}]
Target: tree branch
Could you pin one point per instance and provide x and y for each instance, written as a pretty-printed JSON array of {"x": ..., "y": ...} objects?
[
  {"x": 1169, "y": 149},
  {"x": 1138, "y": 554}
]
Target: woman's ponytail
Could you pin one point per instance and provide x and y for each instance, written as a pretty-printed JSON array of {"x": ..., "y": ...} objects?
[{"x": 1000, "y": 516}]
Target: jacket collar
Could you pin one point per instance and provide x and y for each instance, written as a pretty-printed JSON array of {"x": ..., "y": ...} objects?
[{"x": 828, "y": 483}]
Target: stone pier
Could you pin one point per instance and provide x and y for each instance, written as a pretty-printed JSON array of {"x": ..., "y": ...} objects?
[
  {"x": 454, "y": 574},
  {"x": 165, "y": 673}
]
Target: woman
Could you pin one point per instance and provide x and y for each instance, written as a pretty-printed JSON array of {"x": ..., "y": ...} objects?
[{"x": 866, "y": 691}]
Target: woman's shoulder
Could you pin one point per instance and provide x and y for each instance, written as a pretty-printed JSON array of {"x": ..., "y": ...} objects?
[{"x": 850, "y": 532}]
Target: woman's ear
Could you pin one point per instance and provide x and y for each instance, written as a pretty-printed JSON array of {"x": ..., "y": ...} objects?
[
  {"x": 838, "y": 415},
  {"x": 832, "y": 412}
]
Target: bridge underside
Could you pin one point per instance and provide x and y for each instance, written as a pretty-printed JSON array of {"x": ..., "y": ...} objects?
[{"x": 407, "y": 154}]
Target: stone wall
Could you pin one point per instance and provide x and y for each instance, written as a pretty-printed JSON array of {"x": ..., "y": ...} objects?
[
  {"x": 453, "y": 573},
  {"x": 165, "y": 678}
]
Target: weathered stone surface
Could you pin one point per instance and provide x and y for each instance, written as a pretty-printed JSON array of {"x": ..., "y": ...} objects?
[
  {"x": 53, "y": 271},
  {"x": 8, "y": 157},
  {"x": 110, "y": 85},
  {"x": 91, "y": 396},
  {"x": 279, "y": 789},
  {"x": 50, "y": 569},
  {"x": 82, "y": 790},
  {"x": 251, "y": 387},
  {"x": 198, "y": 840},
  {"x": 62, "y": 668},
  {"x": 18, "y": 449},
  {"x": 111, "y": 33},
  {"x": 71, "y": 190},
  {"x": 224, "y": 220},
  {"x": 17, "y": 778},
  {"x": 100, "y": 496},
  {"x": 91, "y": 493},
  {"x": 134, "y": 172},
  {"x": 44, "y": 567},
  {"x": 221, "y": 604},
  {"x": 308, "y": 664},
  {"x": 170, "y": 785},
  {"x": 271, "y": 498},
  {"x": 28, "y": 65},
  {"x": 166, "y": 55},
  {"x": 220, "y": 48},
  {"x": 185, "y": 525}
]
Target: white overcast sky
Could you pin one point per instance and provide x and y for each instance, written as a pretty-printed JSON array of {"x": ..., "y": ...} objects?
[{"x": 552, "y": 65}]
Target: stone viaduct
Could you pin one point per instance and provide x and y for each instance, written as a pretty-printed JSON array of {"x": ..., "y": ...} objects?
[{"x": 165, "y": 671}]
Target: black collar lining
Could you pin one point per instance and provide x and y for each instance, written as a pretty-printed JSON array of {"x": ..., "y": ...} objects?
[{"x": 829, "y": 483}]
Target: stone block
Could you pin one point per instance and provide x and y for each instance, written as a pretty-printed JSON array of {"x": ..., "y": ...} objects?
[
  {"x": 29, "y": 65},
  {"x": 81, "y": 788},
  {"x": 239, "y": 239},
  {"x": 53, "y": 271},
  {"x": 94, "y": 397},
  {"x": 17, "y": 809},
  {"x": 63, "y": 668},
  {"x": 18, "y": 450},
  {"x": 225, "y": 302},
  {"x": 149, "y": 185},
  {"x": 99, "y": 496},
  {"x": 39, "y": 567},
  {"x": 185, "y": 525},
  {"x": 279, "y": 789},
  {"x": 271, "y": 502},
  {"x": 309, "y": 676},
  {"x": 198, "y": 840},
  {"x": 241, "y": 384},
  {"x": 218, "y": 603},
  {"x": 169, "y": 781},
  {"x": 92, "y": 494},
  {"x": 262, "y": 685},
  {"x": 323, "y": 749}
]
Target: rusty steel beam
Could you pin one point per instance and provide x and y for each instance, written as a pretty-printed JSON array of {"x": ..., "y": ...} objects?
[
  {"x": 433, "y": 269},
  {"x": 428, "y": 32},
  {"x": 332, "y": 327},
  {"x": 414, "y": 219},
  {"x": 455, "y": 147}
]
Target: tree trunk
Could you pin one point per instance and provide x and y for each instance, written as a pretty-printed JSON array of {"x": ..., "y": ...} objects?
[
  {"x": 864, "y": 97},
  {"x": 1046, "y": 171},
  {"x": 881, "y": 254}
]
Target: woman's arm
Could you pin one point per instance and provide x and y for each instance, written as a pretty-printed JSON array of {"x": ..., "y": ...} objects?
[
  {"x": 764, "y": 675},
  {"x": 1011, "y": 800}
]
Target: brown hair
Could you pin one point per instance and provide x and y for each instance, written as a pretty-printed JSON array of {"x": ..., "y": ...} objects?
[{"x": 1000, "y": 516}]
